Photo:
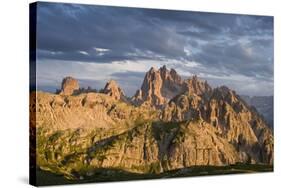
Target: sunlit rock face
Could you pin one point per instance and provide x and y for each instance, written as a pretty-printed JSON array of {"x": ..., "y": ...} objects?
[
  {"x": 69, "y": 85},
  {"x": 112, "y": 89},
  {"x": 160, "y": 86},
  {"x": 171, "y": 123}
]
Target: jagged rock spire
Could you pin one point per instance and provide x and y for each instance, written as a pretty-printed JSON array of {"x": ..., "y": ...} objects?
[
  {"x": 69, "y": 85},
  {"x": 112, "y": 89},
  {"x": 158, "y": 87}
]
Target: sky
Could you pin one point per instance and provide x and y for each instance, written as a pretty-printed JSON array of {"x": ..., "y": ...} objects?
[{"x": 97, "y": 43}]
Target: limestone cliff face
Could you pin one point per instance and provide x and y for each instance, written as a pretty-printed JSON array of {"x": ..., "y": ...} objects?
[
  {"x": 135, "y": 150},
  {"x": 197, "y": 143},
  {"x": 173, "y": 124},
  {"x": 89, "y": 131},
  {"x": 69, "y": 86},
  {"x": 232, "y": 117},
  {"x": 87, "y": 111}
]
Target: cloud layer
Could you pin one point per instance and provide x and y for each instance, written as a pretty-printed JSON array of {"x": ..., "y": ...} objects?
[{"x": 96, "y": 43}]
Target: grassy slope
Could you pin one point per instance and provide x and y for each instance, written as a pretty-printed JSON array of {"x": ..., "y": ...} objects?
[{"x": 106, "y": 175}]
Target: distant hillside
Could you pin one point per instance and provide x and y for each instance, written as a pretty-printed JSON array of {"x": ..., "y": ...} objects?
[{"x": 264, "y": 105}]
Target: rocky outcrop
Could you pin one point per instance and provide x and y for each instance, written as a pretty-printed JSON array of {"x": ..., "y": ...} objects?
[
  {"x": 197, "y": 143},
  {"x": 87, "y": 111},
  {"x": 150, "y": 91},
  {"x": 189, "y": 124},
  {"x": 196, "y": 86},
  {"x": 112, "y": 89},
  {"x": 162, "y": 85},
  {"x": 232, "y": 117},
  {"x": 69, "y": 86},
  {"x": 172, "y": 83},
  {"x": 75, "y": 132}
]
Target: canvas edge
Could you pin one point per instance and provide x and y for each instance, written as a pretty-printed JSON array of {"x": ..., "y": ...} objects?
[{"x": 32, "y": 87}]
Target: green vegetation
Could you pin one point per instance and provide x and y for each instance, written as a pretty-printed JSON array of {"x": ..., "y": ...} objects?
[{"x": 105, "y": 175}]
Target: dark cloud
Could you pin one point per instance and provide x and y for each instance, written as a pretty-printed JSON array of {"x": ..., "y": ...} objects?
[
  {"x": 121, "y": 30},
  {"x": 129, "y": 74},
  {"x": 222, "y": 44},
  {"x": 249, "y": 60}
]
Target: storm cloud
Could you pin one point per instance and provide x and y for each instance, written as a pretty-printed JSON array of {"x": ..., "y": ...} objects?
[{"x": 101, "y": 42}]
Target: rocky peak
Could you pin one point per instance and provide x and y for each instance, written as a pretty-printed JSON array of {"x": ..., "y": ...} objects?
[
  {"x": 164, "y": 72},
  {"x": 224, "y": 90},
  {"x": 228, "y": 114},
  {"x": 175, "y": 76},
  {"x": 226, "y": 94},
  {"x": 112, "y": 89},
  {"x": 158, "y": 87},
  {"x": 69, "y": 85},
  {"x": 171, "y": 75},
  {"x": 152, "y": 69},
  {"x": 199, "y": 126},
  {"x": 194, "y": 100},
  {"x": 197, "y": 86},
  {"x": 151, "y": 88}
]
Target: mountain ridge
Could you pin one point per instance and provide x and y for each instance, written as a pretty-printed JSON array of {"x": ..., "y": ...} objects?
[{"x": 170, "y": 123}]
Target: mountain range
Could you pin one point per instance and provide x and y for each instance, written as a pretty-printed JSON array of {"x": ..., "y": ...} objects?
[
  {"x": 170, "y": 123},
  {"x": 264, "y": 105}
]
